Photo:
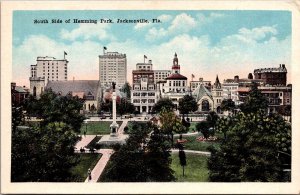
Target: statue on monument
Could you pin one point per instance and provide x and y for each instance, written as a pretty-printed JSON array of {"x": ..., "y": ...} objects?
[{"x": 113, "y": 85}]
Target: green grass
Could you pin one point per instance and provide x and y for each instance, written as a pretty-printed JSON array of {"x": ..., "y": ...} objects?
[
  {"x": 130, "y": 123},
  {"x": 195, "y": 170},
  {"x": 97, "y": 127},
  {"x": 193, "y": 144},
  {"x": 79, "y": 172}
]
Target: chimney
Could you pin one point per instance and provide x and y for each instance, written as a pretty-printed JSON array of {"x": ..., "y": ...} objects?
[
  {"x": 150, "y": 61},
  {"x": 236, "y": 78},
  {"x": 283, "y": 66},
  {"x": 13, "y": 85}
]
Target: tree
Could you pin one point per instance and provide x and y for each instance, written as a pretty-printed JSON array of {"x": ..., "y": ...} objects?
[
  {"x": 212, "y": 119},
  {"x": 227, "y": 105},
  {"x": 43, "y": 154},
  {"x": 187, "y": 104},
  {"x": 125, "y": 107},
  {"x": 142, "y": 158},
  {"x": 256, "y": 148},
  {"x": 55, "y": 108},
  {"x": 170, "y": 123},
  {"x": 255, "y": 101},
  {"x": 126, "y": 88},
  {"x": 163, "y": 103},
  {"x": 203, "y": 127}
]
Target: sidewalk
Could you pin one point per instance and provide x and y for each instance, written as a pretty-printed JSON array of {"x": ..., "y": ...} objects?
[
  {"x": 192, "y": 152},
  {"x": 124, "y": 124},
  {"x": 98, "y": 169},
  {"x": 85, "y": 140}
]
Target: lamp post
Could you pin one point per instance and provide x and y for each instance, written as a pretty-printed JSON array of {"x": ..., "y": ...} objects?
[{"x": 85, "y": 122}]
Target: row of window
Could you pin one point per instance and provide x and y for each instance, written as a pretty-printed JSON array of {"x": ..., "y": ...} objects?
[
  {"x": 177, "y": 83},
  {"x": 143, "y": 94},
  {"x": 143, "y": 101}
]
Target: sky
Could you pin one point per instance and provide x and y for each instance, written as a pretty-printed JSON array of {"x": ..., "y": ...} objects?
[{"x": 208, "y": 43}]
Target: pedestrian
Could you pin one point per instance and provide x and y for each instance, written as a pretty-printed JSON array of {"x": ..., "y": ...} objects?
[
  {"x": 90, "y": 174},
  {"x": 84, "y": 133}
]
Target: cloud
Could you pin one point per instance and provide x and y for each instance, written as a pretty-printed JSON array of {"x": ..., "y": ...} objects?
[
  {"x": 165, "y": 17},
  {"x": 235, "y": 54},
  {"x": 183, "y": 23},
  {"x": 82, "y": 56},
  {"x": 203, "y": 19},
  {"x": 155, "y": 33},
  {"x": 140, "y": 26},
  {"x": 180, "y": 24},
  {"x": 87, "y": 31}
]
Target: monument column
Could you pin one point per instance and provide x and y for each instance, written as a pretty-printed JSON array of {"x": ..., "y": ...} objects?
[{"x": 114, "y": 126}]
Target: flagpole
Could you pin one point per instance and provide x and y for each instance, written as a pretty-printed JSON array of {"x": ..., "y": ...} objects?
[
  {"x": 64, "y": 55},
  {"x": 144, "y": 59}
]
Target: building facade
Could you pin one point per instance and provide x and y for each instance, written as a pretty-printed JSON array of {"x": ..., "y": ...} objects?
[
  {"x": 143, "y": 93},
  {"x": 217, "y": 95},
  {"x": 195, "y": 84},
  {"x": 113, "y": 68},
  {"x": 19, "y": 94},
  {"x": 175, "y": 85},
  {"x": 160, "y": 75},
  {"x": 88, "y": 91},
  {"x": 272, "y": 76},
  {"x": 47, "y": 69}
]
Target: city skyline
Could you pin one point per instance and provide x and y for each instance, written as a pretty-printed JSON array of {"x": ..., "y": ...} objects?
[{"x": 208, "y": 43}]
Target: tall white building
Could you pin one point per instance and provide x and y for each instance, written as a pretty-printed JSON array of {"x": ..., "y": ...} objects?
[
  {"x": 47, "y": 69},
  {"x": 112, "y": 68}
]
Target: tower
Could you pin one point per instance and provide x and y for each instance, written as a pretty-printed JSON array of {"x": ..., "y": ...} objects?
[
  {"x": 216, "y": 92},
  {"x": 176, "y": 66}
]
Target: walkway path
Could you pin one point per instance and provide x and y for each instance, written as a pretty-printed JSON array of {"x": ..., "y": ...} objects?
[
  {"x": 193, "y": 152},
  {"x": 85, "y": 140},
  {"x": 124, "y": 124},
  {"x": 98, "y": 169}
]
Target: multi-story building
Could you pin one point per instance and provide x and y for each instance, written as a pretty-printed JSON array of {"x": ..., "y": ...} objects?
[
  {"x": 143, "y": 93},
  {"x": 112, "y": 68},
  {"x": 195, "y": 84},
  {"x": 160, "y": 75},
  {"x": 47, "y": 69},
  {"x": 175, "y": 85},
  {"x": 272, "y": 76},
  {"x": 18, "y": 94},
  {"x": 277, "y": 96}
]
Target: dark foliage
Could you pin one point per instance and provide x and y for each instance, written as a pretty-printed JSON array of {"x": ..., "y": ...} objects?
[
  {"x": 142, "y": 158},
  {"x": 163, "y": 103}
]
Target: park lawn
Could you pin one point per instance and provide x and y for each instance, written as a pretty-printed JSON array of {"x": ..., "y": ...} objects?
[
  {"x": 193, "y": 144},
  {"x": 79, "y": 172},
  {"x": 130, "y": 123},
  {"x": 97, "y": 127},
  {"x": 195, "y": 170}
]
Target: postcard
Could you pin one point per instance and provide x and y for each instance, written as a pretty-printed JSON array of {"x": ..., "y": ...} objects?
[{"x": 149, "y": 97}]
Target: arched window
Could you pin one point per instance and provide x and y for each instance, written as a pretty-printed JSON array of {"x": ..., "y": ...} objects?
[
  {"x": 205, "y": 105},
  {"x": 34, "y": 91}
]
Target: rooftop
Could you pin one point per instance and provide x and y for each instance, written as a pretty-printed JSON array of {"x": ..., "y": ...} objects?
[{"x": 176, "y": 76}]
